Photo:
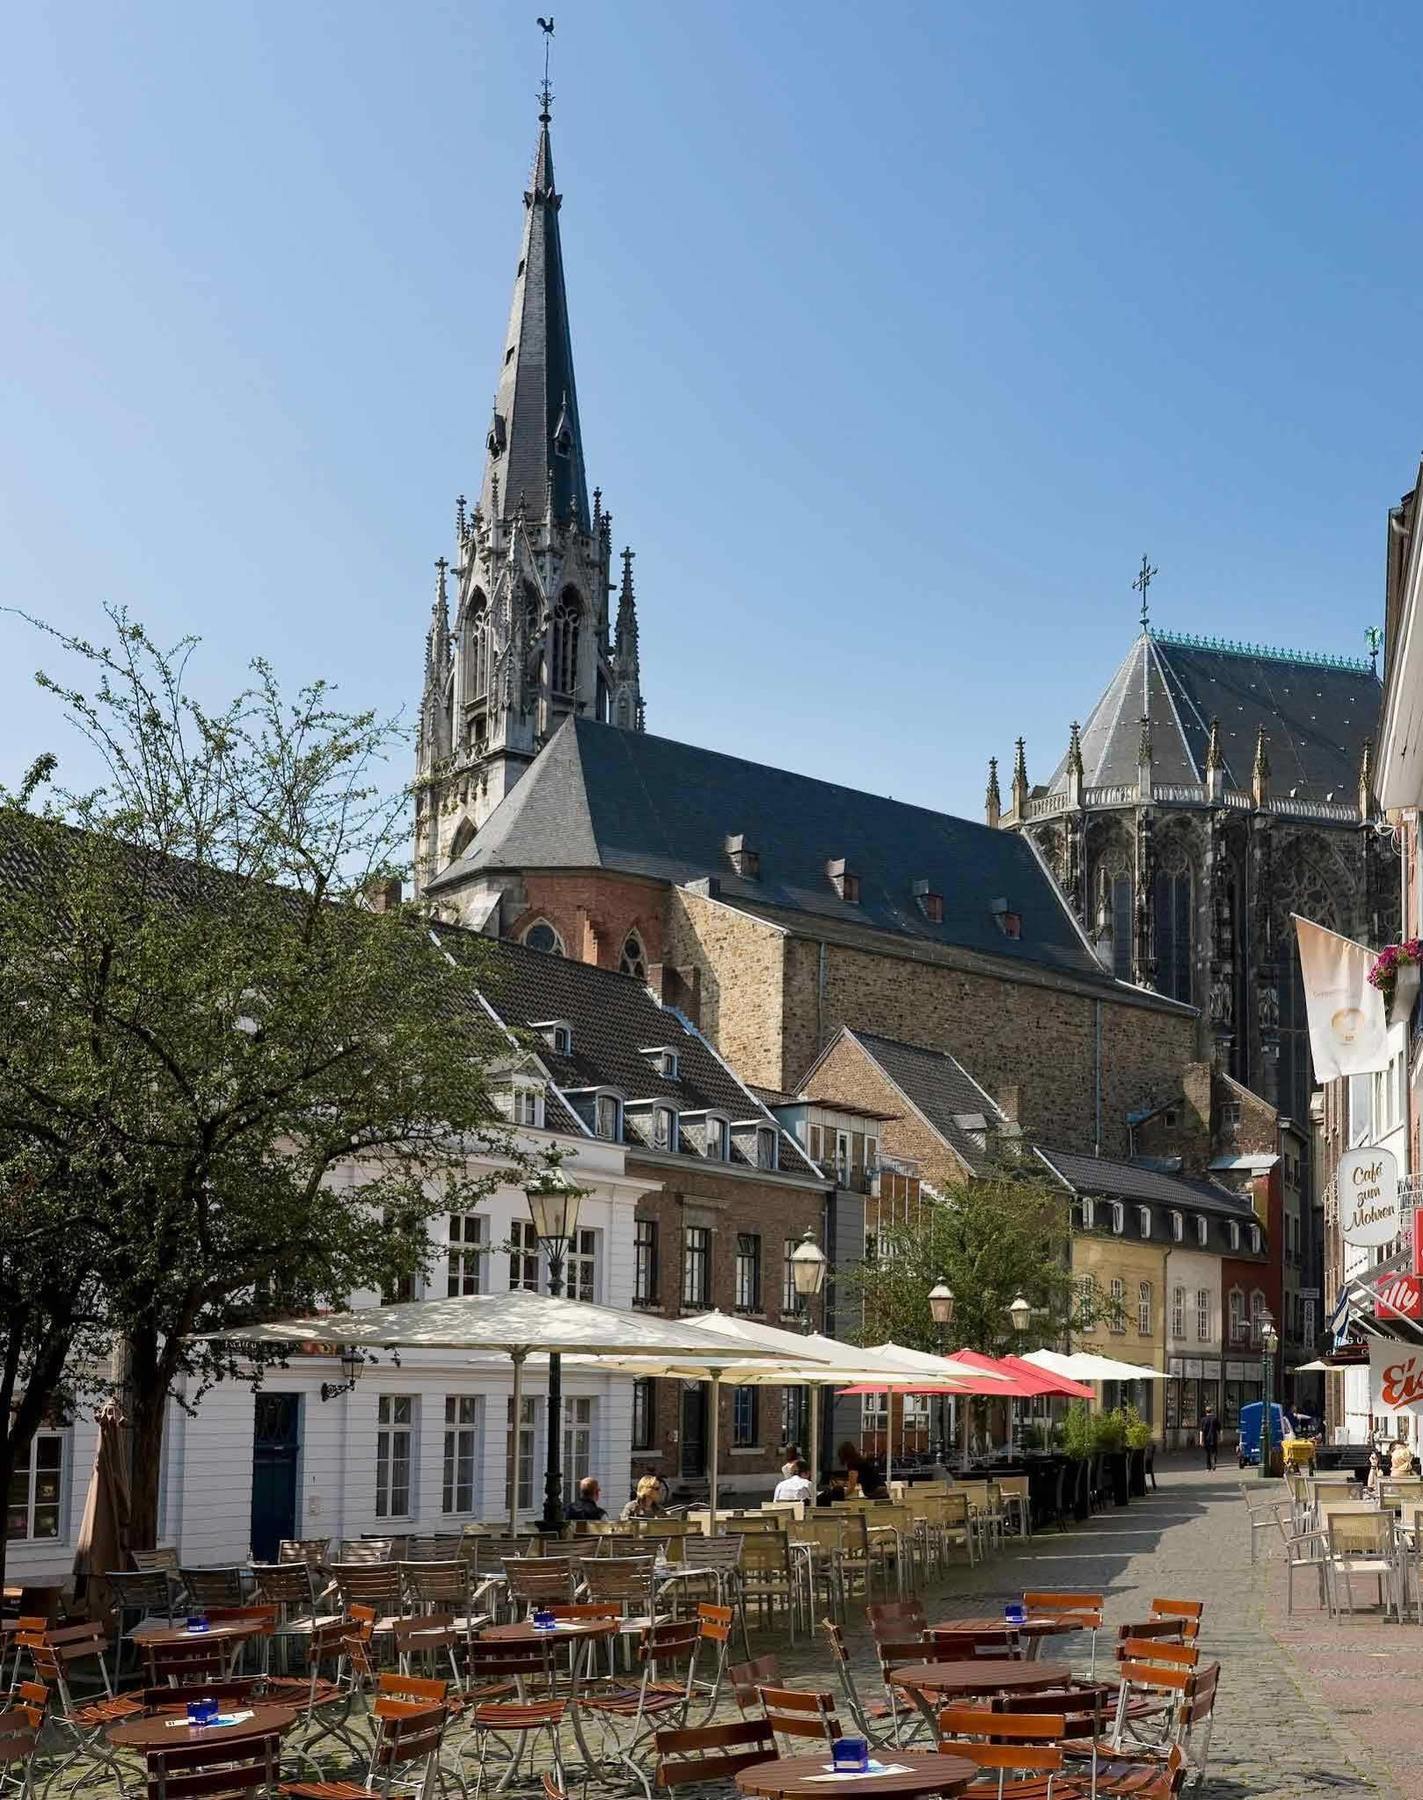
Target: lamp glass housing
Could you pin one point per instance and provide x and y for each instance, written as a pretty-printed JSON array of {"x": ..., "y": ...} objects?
[
  {"x": 553, "y": 1207},
  {"x": 941, "y": 1303},
  {"x": 1020, "y": 1313},
  {"x": 808, "y": 1267}
]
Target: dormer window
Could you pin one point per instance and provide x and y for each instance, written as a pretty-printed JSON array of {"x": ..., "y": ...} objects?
[
  {"x": 528, "y": 1105},
  {"x": 1234, "y": 1235},
  {"x": 607, "y": 1118},
  {"x": 1010, "y": 923},
  {"x": 557, "y": 1034},
  {"x": 929, "y": 903},
  {"x": 1119, "y": 1217},
  {"x": 844, "y": 880},
  {"x": 1143, "y": 1216},
  {"x": 1255, "y": 1239},
  {"x": 716, "y": 1138},
  {"x": 765, "y": 1147},
  {"x": 1089, "y": 1214},
  {"x": 744, "y": 859},
  {"x": 664, "y": 1128},
  {"x": 1178, "y": 1229},
  {"x": 664, "y": 1060},
  {"x": 1203, "y": 1231}
]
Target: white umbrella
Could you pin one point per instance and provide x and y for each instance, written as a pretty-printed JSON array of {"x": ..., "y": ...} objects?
[
  {"x": 1083, "y": 1365},
  {"x": 517, "y": 1323}
]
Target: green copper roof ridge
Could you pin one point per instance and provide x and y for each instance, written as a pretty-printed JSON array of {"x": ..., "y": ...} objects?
[{"x": 1191, "y": 640}]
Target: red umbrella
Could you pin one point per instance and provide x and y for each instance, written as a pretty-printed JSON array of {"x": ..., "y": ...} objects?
[
  {"x": 1014, "y": 1386},
  {"x": 1046, "y": 1382}
]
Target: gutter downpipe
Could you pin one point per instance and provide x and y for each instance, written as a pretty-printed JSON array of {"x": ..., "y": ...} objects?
[{"x": 1097, "y": 1076}]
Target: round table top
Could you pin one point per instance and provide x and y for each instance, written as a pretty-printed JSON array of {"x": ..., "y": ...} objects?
[
  {"x": 162, "y": 1732},
  {"x": 151, "y": 1631},
  {"x": 1039, "y": 1625},
  {"x": 923, "y": 1772},
  {"x": 526, "y": 1632},
  {"x": 981, "y": 1675}
]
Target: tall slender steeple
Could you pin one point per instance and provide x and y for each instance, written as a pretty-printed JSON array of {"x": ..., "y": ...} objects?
[
  {"x": 530, "y": 644},
  {"x": 626, "y": 707},
  {"x": 534, "y": 448}
]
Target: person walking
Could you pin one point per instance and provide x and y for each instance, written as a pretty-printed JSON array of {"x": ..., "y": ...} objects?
[{"x": 1210, "y": 1436}]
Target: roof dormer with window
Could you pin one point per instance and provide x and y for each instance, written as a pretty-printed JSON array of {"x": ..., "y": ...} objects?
[
  {"x": 557, "y": 1034},
  {"x": 664, "y": 1059}
]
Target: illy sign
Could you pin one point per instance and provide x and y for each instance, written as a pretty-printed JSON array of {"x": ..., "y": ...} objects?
[{"x": 1367, "y": 1186}]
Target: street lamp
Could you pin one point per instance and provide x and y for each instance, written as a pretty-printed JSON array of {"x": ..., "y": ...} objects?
[
  {"x": 808, "y": 1274},
  {"x": 352, "y": 1363},
  {"x": 553, "y": 1206},
  {"x": 941, "y": 1310},
  {"x": 808, "y": 1266},
  {"x": 1021, "y": 1314},
  {"x": 1269, "y": 1344}
]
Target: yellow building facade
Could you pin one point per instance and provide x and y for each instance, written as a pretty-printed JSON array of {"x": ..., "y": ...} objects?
[{"x": 1121, "y": 1288}]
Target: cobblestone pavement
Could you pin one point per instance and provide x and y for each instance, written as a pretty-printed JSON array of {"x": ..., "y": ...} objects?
[{"x": 1289, "y": 1724}]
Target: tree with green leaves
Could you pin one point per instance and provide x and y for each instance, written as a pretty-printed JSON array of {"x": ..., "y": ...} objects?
[
  {"x": 238, "y": 1076},
  {"x": 992, "y": 1238}
]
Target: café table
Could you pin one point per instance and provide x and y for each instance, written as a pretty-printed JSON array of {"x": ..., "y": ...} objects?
[
  {"x": 803, "y": 1777},
  {"x": 581, "y": 1635},
  {"x": 973, "y": 1678},
  {"x": 157, "y": 1632},
  {"x": 164, "y": 1731}
]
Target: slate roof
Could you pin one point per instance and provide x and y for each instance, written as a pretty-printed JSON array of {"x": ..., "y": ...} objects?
[
  {"x": 1316, "y": 714},
  {"x": 536, "y": 390},
  {"x": 1101, "y": 1176},
  {"x": 938, "y": 1086},
  {"x": 598, "y": 797},
  {"x": 613, "y": 1019}
]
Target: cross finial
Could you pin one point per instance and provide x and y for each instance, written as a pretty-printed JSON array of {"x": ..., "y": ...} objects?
[
  {"x": 1373, "y": 637},
  {"x": 1145, "y": 576},
  {"x": 546, "y": 92}
]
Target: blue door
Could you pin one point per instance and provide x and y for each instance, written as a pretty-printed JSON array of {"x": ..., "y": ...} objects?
[{"x": 276, "y": 1445}]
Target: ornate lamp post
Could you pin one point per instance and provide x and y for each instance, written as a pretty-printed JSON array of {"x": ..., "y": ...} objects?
[
  {"x": 941, "y": 1310},
  {"x": 1269, "y": 1344},
  {"x": 553, "y": 1206},
  {"x": 352, "y": 1362},
  {"x": 1021, "y": 1316},
  {"x": 808, "y": 1266}
]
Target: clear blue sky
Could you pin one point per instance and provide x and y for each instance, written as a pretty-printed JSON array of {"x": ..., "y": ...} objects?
[{"x": 901, "y": 333}]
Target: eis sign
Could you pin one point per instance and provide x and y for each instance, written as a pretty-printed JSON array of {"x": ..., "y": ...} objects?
[
  {"x": 1367, "y": 1186},
  {"x": 1395, "y": 1377}
]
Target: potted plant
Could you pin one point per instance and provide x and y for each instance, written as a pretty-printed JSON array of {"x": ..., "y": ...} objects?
[
  {"x": 1138, "y": 1438},
  {"x": 1111, "y": 1443},
  {"x": 1077, "y": 1446},
  {"x": 1396, "y": 974}
]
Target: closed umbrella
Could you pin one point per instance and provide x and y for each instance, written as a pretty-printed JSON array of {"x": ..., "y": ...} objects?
[
  {"x": 103, "y": 1535},
  {"x": 1045, "y": 1382}
]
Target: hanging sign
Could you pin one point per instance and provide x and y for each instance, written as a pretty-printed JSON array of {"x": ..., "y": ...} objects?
[
  {"x": 1348, "y": 1025},
  {"x": 1398, "y": 1297},
  {"x": 1395, "y": 1376},
  {"x": 1366, "y": 1183}
]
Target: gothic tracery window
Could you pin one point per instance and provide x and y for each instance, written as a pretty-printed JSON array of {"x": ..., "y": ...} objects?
[
  {"x": 1171, "y": 929},
  {"x": 478, "y": 648},
  {"x": 634, "y": 959},
  {"x": 563, "y": 645}
]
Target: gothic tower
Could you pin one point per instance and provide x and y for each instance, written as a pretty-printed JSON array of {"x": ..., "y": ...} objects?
[{"x": 530, "y": 641}]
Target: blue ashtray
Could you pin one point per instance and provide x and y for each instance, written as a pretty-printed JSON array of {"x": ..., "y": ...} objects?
[
  {"x": 850, "y": 1755},
  {"x": 544, "y": 1621},
  {"x": 196, "y": 1622},
  {"x": 202, "y": 1712},
  {"x": 1014, "y": 1614}
]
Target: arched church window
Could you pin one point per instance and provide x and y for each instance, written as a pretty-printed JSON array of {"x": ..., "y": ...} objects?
[
  {"x": 1171, "y": 928},
  {"x": 542, "y": 936},
  {"x": 563, "y": 645},
  {"x": 478, "y": 648},
  {"x": 624, "y": 712},
  {"x": 461, "y": 841},
  {"x": 634, "y": 959}
]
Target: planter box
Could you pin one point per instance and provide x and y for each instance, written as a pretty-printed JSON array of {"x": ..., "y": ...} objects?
[{"x": 1405, "y": 992}]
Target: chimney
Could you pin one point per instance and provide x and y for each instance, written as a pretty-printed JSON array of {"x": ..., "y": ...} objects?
[{"x": 382, "y": 893}]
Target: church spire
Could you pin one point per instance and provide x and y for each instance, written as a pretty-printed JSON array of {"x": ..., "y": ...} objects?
[
  {"x": 1020, "y": 777},
  {"x": 627, "y": 707},
  {"x": 534, "y": 447},
  {"x": 1260, "y": 770},
  {"x": 993, "y": 799}
]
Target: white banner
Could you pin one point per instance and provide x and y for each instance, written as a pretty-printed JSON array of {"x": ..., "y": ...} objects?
[
  {"x": 1366, "y": 1184},
  {"x": 1348, "y": 1026},
  {"x": 1395, "y": 1377}
]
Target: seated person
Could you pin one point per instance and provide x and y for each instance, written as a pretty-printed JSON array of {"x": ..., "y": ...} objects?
[
  {"x": 646, "y": 1503},
  {"x": 586, "y": 1505},
  {"x": 796, "y": 1485},
  {"x": 833, "y": 1490}
]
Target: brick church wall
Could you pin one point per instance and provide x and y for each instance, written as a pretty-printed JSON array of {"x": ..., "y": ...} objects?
[
  {"x": 849, "y": 1075},
  {"x": 740, "y": 960},
  {"x": 1039, "y": 1037}
]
